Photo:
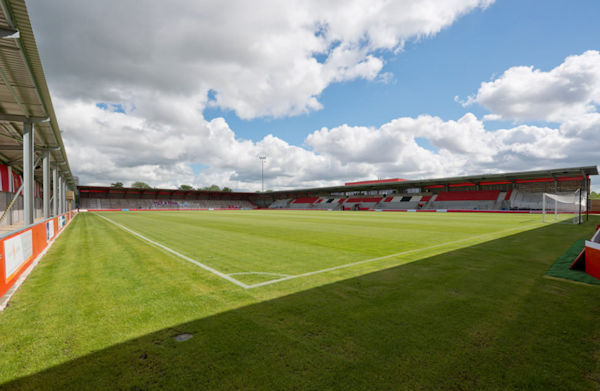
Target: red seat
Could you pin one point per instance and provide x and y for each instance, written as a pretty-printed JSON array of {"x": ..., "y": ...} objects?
[
  {"x": 482, "y": 195},
  {"x": 363, "y": 199},
  {"x": 307, "y": 200}
]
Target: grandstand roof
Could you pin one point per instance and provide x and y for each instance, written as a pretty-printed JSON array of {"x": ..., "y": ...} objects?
[
  {"x": 558, "y": 173},
  {"x": 133, "y": 192},
  {"x": 24, "y": 94},
  {"x": 375, "y": 181}
]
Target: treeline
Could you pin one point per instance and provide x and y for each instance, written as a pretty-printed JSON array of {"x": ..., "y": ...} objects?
[{"x": 143, "y": 185}]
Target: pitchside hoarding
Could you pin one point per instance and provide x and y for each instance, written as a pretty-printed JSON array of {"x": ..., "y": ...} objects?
[{"x": 19, "y": 249}]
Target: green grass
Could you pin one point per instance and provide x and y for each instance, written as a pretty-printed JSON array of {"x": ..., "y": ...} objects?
[
  {"x": 101, "y": 309},
  {"x": 296, "y": 242}
]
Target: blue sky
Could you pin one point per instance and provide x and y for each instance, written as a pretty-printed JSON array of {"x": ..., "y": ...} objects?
[
  {"x": 430, "y": 72},
  {"x": 329, "y": 91}
]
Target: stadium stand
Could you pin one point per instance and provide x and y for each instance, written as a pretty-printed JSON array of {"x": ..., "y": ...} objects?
[
  {"x": 280, "y": 204},
  {"x": 475, "y": 200},
  {"x": 106, "y": 198},
  {"x": 304, "y": 203},
  {"x": 120, "y": 203},
  {"x": 328, "y": 204},
  {"x": 510, "y": 191},
  {"x": 306, "y": 200},
  {"x": 402, "y": 202},
  {"x": 10, "y": 183},
  {"x": 31, "y": 152},
  {"x": 361, "y": 203}
]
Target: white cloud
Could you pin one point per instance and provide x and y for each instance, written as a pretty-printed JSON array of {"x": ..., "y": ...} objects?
[
  {"x": 258, "y": 57},
  {"x": 465, "y": 146},
  {"x": 273, "y": 58},
  {"x": 523, "y": 93},
  {"x": 128, "y": 148}
]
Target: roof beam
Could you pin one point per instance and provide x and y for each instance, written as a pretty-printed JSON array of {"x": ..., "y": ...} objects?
[
  {"x": 16, "y": 147},
  {"x": 8, "y": 32},
  {"x": 22, "y": 118},
  {"x": 12, "y": 147},
  {"x": 14, "y": 94}
]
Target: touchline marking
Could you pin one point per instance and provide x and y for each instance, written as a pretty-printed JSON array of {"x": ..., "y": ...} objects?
[
  {"x": 203, "y": 266},
  {"x": 378, "y": 258}
]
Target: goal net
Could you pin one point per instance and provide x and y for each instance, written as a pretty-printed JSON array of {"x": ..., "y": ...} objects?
[{"x": 564, "y": 204}]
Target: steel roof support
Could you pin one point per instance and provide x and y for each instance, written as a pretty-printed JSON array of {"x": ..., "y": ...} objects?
[
  {"x": 60, "y": 194},
  {"x": 16, "y": 96},
  {"x": 55, "y": 191},
  {"x": 28, "y": 173},
  {"x": 64, "y": 195},
  {"x": 11, "y": 189},
  {"x": 53, "y": 126},
  {"x": 21, "y": 118},
  {"x": 46, "y": 184}
]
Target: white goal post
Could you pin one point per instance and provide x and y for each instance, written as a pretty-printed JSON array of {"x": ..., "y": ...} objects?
[{"x": 564, "y": 203}]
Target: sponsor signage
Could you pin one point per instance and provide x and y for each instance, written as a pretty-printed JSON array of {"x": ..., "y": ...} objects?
[
  {"x": 49, "y": 230},
  {"x": 17, "y": 250}
]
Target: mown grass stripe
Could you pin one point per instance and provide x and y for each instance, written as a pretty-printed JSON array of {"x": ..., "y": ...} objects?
[{"x": 186, "y": 258}]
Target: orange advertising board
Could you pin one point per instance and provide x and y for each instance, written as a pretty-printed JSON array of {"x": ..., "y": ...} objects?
[{"x": 20, "y": 249}]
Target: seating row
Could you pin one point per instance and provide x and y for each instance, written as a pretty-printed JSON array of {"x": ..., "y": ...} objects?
[{"x": 467, "y": 200}]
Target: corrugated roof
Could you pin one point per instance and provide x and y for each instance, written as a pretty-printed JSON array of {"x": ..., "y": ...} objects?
[
  {"x": 24, "y": 94},
  {"x": 508, "y": 176}
]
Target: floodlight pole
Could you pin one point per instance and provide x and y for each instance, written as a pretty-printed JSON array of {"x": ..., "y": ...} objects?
[{"x": 262, "y": 171}]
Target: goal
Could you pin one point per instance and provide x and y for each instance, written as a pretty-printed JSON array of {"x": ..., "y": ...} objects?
[{"x": 564, "y": 204}]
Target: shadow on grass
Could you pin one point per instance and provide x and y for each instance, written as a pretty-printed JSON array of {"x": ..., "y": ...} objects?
[{"x": 476, "y": 318}]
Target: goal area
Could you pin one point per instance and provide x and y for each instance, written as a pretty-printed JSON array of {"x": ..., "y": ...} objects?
[{"x": 573, "y": 204}]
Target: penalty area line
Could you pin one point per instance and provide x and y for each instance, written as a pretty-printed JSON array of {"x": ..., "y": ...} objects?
[
  {"x": 380, "y": 258},
  {"x": 203, "y": 266}
]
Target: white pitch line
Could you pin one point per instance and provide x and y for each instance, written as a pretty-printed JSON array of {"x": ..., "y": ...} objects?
[
  {"x": 268, "y": 274},
  {"x": 377, "y": 259},
  {"x": 203, "y": 266}
]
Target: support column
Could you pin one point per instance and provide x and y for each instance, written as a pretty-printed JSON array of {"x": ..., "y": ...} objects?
[
  {"x": 54, "y": 191},
  {"x": 587, "y": 197},
  {"x": 59, "y": 194},
  {"x": 64, "y": 195},
  {"x": 11, "y": 190},
  {"x": 555, "y": 200},
  {"x": 46, "y": 185},
  {"x": 28, "y": 173}
]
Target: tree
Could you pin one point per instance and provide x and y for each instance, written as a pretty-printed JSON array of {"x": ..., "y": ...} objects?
[
  {"x": 594, "y": 195},
  {"x": 185, "y": 187},
  {"x": 226, "y": 189},
  {"x": 140, "y": 185},
  {"x": 211, "y": 188},
  {"x": 118, "y": 185}
]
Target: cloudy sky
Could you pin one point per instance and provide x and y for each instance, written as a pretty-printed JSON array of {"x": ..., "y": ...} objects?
[{"x": 192, "y": 92}]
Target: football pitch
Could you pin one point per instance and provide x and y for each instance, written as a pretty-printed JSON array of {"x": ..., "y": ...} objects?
[
  {"x": 258, "y": 248},
  {"x": 278, "y": 299}
]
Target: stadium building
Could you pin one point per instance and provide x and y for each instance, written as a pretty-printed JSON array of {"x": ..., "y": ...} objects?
[{"x": 507, "y": 192}]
